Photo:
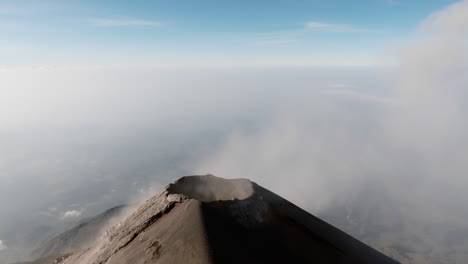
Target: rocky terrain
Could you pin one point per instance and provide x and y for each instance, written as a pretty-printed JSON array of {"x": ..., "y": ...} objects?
[
  {"x": 79, "y": 237},
  {"x": 206, "y": 219}
]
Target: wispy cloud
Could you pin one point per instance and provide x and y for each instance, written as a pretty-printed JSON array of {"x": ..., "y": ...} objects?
[
  {"x": 276, "y": 42},
  {"x": 328, "y": 27},
  {"x": 2, "y": 245},
  {"x": 124, "y": 22},
  {"x": 71, "y": 214}
]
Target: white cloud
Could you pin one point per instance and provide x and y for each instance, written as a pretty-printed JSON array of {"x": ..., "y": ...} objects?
[
  {"x": 413, "y": 141},
  {"x": 124, "y": 22},
  {"x": 328, "y": 27},
  {"x": 449, "y": 21},
  {"x": 432, "y": 83},
  {"x": 277, "y": 42},
  {"x": 2, "y": 245},
  {"x": 71, "y": 214}
]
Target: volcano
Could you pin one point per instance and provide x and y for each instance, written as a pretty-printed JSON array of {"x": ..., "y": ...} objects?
[{"x": 207, "y": 219}]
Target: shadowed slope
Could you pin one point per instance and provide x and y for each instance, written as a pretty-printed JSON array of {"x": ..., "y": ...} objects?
[{"x": 265, "y": 228}]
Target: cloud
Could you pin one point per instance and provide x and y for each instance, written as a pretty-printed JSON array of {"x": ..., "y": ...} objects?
[
  {"x": 451, "y": 20},
  {"x": 277, "y": 42},
  {"x": 432, "y": 81},
  {"x": 413, "y": 139},
  {"x": 125, "y": 22},
  {"x": 71, "y": 214},
  {"x": 327, "y": 27},
  {"x": 2, "y": 245},
  {"x": 364, "y": 97}
]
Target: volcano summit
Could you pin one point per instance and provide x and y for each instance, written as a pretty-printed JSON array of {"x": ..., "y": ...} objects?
[{"x": 207, "y": 219}]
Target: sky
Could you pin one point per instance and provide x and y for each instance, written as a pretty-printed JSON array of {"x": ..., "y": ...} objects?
[
  {"x": 104, "y": 102},
  {"x": 206, "y": 32}
]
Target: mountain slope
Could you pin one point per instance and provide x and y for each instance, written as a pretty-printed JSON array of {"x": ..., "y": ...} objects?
[
  {"x": 77, "y": 238},
  {"x": 206, "y": 219}
]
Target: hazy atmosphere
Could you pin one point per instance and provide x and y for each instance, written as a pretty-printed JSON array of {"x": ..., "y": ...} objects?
[{"x": 104, "y": 103}]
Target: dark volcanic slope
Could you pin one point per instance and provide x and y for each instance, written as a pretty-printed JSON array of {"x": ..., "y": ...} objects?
[{"x": 206, "y": 219}]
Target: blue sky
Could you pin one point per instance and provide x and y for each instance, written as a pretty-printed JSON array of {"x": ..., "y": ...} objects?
[{"x": 213, "y": 32}]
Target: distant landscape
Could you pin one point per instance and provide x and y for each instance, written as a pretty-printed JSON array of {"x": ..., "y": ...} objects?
[{"x": 354, "y": 111}]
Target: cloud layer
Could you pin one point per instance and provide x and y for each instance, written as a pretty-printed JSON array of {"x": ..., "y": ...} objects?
[
  {"x": 313, "y": 153},
  {"x": 122, "y": 130}
]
